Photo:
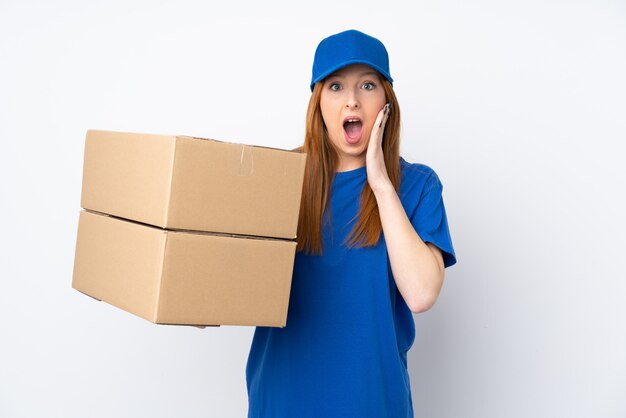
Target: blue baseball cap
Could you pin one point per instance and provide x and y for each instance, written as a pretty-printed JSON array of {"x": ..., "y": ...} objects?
[{"x": 349, "y": 47}]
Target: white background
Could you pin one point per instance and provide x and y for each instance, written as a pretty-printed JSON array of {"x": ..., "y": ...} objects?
[{"x": 520, "y": 107}]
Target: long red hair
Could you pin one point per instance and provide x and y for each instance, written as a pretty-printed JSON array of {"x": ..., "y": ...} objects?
[{"x": 321, "y": 166}]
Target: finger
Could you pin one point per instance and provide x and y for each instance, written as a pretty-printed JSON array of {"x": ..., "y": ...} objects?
[
  {"x": 380, "y": 117},
  {"x": 387, "y": 114},
  {"x": 376, "y": 138}
]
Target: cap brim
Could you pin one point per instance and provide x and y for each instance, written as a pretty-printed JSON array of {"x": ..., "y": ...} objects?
[{"x": 345, "y": 64}]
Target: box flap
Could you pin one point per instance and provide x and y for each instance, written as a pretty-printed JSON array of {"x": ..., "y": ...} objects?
[{"x": 236, "y": 188}]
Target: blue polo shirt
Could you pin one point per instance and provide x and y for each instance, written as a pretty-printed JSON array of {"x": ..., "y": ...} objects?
[{"x": 343, "y": 352}]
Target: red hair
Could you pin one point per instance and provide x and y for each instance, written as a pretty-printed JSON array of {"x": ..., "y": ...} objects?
[{"x": 321, "y": 166}]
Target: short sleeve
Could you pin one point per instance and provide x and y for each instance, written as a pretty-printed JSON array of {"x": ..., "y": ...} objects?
[{"x": 430, "y": 221}]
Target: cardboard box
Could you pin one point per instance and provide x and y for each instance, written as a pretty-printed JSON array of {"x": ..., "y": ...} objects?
[
  {"x": 182, "y": 277},
  {"x": 188, "y": 183}
]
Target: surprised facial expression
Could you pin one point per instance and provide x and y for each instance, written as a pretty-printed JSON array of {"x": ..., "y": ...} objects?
[{"x": 350, "y": 101}]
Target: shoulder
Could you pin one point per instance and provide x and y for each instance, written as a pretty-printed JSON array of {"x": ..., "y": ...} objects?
[{"x": 417, "y": 177}]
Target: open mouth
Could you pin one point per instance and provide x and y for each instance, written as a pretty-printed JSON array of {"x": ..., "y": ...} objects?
[{"x": 352, "y": 127}]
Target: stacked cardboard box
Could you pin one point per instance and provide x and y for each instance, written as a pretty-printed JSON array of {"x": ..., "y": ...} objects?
[{"x": 190, "y": 231}]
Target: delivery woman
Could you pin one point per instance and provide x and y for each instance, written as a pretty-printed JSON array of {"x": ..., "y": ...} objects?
[{"x": 373, "y": 243}]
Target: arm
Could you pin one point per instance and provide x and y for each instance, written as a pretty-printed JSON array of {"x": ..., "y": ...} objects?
[{"x": 417, "y": 267}]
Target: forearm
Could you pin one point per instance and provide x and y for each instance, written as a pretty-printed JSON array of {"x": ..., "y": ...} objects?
[{"x": 416, "y": 266}]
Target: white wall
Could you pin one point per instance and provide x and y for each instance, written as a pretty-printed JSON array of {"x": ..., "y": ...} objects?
[{"x": 519, "y": 106}]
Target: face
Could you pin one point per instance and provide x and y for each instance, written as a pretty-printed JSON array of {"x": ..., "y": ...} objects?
[{"x": 350, "y": 101}]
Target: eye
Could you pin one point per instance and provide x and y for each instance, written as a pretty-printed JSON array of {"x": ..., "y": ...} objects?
[
  {"x": 368, "y": 85},
  {"x": 334, "y": 86}
]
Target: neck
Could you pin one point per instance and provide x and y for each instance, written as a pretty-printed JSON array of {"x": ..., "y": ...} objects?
[{"x": 350, "y": 164}]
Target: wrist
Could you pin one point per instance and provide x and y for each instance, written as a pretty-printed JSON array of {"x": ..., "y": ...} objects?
[{"x": 382, "y": 188}]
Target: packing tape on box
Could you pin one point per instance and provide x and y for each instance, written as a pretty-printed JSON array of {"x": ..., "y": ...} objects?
[{"x": 246, "y": 163}]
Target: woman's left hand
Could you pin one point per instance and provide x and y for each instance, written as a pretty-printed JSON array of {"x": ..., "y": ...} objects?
[
  {"x": 417, "y": 267},
  {"x": 376, "y": 170}
]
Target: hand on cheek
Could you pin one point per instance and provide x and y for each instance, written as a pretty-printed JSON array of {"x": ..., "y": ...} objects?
[{"x": 376, "y": 170}]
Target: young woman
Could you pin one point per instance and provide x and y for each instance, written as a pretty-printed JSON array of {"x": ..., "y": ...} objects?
[{"x": 373, "y": 243}]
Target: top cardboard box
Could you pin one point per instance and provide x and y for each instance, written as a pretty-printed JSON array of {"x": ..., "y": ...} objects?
[{"x": 189, "y": 183}]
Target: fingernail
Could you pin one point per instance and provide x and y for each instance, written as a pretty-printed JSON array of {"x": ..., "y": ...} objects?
[{"x": 384, "y": 114}]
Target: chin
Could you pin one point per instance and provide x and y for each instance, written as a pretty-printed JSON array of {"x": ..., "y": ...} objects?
[{"x": 352, "y": 153}]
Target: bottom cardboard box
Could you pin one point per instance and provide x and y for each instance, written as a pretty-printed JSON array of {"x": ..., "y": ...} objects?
[{"x": 182, "y": 277}]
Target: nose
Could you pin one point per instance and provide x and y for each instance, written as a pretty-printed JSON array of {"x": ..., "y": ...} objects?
[{"x": 352, "y": 101}]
